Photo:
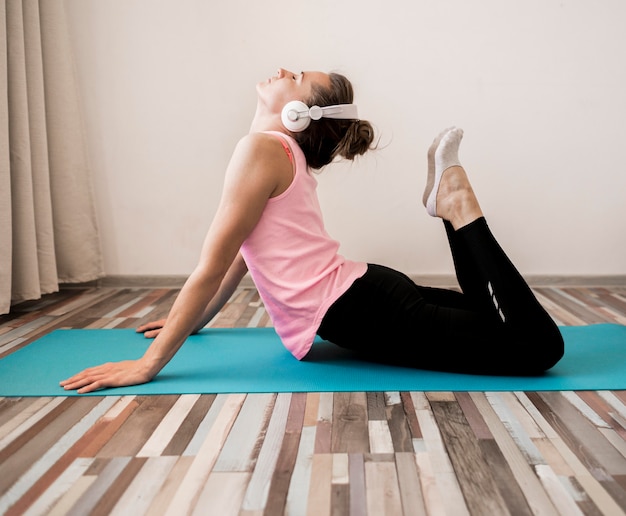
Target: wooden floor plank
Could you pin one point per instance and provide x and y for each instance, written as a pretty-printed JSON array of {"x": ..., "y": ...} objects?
[
  {"x": 222, "y": 493},
  {"x": 63, "y": 483},
  {"x": 585, "y": 477},
  {"x": 431, "y": 491},
  {"x": 118, "y": 487},
  {"x": 382, "y": 488},
  {"x": 592, "y": 448},
  {"x": 409, "y": 484},
  {"x": 244, "y": 440},
  {"x": 439, "y": 461},
  {"x": 601, "y": 407},
  {"x": 510, "y": 491},
  {"x": 172, "y": 483},
  {"x": 472, "y": 470},
  {"x": 204, "y": 427},
  {"x": 258, "y": 489},
  {"x": 286, "y": 460},
  {"x": 522, "y": 471},
  {"x": 350, "y": 433},
  {"x": 55, "y": 460},
  {"x": 399, "y": 428},
  {"x": 323, "y": 433},
  {"x": 168, "y": 426},
  {"x": 139, "y": 427},
  {"x": 104, "y": 429},
  {"x": 19, "y": 456},
  {"x": 560, "y": 497},
  {"x": 92, "y": 497},
  {"x": 70, "y": 498},
  {"x": 26, "y": 414},
  {"x": 300, "y": 482},
  {"x": 357, "y": 494},
  {"x": 312, "y": 408},
  {"x": 161, "y": 310},
  {"x": 185, "y": 498},
  {"x": 144, "y": 487},
  {"x": 320, "y": 490},
  {"x": 189, "y": 426},
  {"x": 515, "y": 428}
]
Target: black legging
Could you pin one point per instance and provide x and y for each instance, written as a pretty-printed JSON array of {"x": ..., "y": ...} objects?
[{"x": 495, "y": 326}]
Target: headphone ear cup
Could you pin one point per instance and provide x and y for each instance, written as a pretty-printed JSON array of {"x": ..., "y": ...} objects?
[{"x": 295, "y": 116}]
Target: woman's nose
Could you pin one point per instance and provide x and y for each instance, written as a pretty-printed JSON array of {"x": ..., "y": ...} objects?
[{"x": 282, "y": 73}]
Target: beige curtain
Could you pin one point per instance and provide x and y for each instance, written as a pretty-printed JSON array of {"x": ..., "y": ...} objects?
[{"x": 48, "y": 230}]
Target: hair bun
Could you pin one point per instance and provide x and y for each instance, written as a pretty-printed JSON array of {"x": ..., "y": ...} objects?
[{"x": 357, "y": 140}]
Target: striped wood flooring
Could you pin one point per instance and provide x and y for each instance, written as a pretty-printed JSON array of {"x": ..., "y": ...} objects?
[{"x": 313, "y": 453}]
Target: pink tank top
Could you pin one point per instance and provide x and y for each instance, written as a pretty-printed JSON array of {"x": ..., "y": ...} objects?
[{"x": 294, "y": 263}]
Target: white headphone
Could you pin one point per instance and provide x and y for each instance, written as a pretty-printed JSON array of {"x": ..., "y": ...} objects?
[{"x": 296, "y": 115}]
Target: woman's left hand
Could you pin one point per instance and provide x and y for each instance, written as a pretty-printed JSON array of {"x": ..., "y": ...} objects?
[{"x": 151, "y": 329}]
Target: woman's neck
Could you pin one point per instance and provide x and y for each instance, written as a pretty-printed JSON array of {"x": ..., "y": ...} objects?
[
  {"x": 266, "y": 121},
  {"x": 258, "y": 126}
]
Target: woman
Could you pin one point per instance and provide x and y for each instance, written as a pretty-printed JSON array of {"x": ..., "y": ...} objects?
[{"x": 269, "y": 223}]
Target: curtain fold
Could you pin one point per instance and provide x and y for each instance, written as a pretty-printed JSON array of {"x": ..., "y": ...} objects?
[{"x": 48, "y": 228}]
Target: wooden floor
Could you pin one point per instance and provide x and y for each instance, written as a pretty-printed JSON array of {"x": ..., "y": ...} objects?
[{"x": 330, "y": 453}]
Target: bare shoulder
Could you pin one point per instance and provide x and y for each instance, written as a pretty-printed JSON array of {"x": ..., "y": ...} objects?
[
  {"x": 264, "y": 143},
  {"x": 262, "y": 156}
]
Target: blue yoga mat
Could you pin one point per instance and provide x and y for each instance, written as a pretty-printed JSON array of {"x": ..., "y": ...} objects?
[{"x": 254, "y": 360}]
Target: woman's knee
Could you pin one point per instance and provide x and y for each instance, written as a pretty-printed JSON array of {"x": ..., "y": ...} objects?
[
  {"x": 553, "y": 352},
  {"x": 546, "y": 350}
]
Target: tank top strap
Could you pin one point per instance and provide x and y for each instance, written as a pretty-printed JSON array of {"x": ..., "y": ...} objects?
[{"x": 284, "y": 143}]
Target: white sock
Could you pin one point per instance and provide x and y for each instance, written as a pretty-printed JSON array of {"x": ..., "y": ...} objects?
[
  {"x": 445, "y": 155},
  {"x": 430, "y": 180}
]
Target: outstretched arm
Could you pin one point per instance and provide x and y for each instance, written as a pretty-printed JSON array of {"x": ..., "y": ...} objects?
[
  {"x": 256, "y": 172},
  {"x": 231, "y": 281},
  {"x": 227, "y": 288}
]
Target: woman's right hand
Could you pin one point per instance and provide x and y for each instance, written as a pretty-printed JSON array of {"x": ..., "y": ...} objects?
[
  {"x": 111, "y": 374},
  {"x": 152, "y": 328}
]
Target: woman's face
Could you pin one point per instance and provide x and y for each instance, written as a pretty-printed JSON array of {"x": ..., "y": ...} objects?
[{"x": 286, "y": 86}]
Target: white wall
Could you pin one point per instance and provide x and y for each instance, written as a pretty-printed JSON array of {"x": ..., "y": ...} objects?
[{"x": 539, "y": 87}]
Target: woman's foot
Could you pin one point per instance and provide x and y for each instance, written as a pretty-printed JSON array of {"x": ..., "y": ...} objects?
[
  {"x": 448, "y": 193},
  {"x": 430, "y": 180}
]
